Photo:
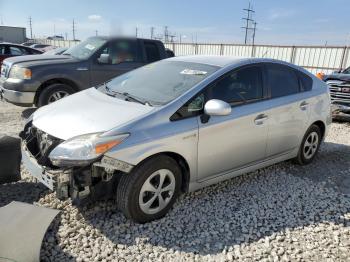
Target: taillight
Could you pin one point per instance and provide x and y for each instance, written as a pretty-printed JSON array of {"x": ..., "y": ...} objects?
[{"x": 320, "y": 75}]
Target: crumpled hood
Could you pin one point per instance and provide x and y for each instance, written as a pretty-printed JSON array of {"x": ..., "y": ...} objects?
[{"x": 88, "y": 111}]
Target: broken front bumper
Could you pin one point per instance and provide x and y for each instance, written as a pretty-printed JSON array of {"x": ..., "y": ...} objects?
[
  {"x": 96, "y": 179},
  {"x": 55, "y": 180}
]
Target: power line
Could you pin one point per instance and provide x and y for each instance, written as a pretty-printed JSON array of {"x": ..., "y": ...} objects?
[{"x": 248, "y": 20}]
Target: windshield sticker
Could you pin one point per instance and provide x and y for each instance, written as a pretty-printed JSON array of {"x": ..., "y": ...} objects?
[
  {"x": 90, "y": 47},
  {"x": 192, "y": 72}
]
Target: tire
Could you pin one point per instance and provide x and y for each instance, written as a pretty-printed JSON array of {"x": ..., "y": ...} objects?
[
  {"x": 53, "y": 93},
  {"x": 132, "y": 190},
  {"x": 307, "y": 153},
  {"x": 10, "y": 159}
]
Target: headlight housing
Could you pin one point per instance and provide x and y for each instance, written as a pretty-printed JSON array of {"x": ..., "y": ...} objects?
[
  {"x": 17, "y": 72},
  {"x": 82, "y": 150}
]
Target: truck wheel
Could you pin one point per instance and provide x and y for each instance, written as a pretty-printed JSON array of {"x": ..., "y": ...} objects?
[
  {"x": 309, "y": 146},
  {"x": 149, "y": 191},
  {"x": 54, "y": 92}
]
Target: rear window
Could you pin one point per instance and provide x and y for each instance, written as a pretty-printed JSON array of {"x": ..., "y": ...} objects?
[
  {"x": 152, "y": 52},
  {"x": 283, "y": 81}
]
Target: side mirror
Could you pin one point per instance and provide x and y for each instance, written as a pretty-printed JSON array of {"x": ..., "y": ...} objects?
[
  {"x": 215, "y": 107},
  {"x": 103, "y": 59}
]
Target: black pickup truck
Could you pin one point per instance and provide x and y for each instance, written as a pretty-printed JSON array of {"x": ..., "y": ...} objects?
[
  {"x": 39, "y": 80},
  {"x": 339, "y": 87}
]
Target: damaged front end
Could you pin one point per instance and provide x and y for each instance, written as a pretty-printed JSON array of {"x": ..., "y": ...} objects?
[{"x": 92, "y": 180}]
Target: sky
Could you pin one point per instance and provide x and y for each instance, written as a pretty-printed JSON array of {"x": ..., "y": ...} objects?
[{"x": 292, "y": 22}]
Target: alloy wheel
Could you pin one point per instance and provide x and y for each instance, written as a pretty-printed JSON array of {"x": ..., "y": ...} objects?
[
  {"x": 157, "y": 191},
  {"x": 310, "y": 145},
  {"x": 57, "y": 96}
]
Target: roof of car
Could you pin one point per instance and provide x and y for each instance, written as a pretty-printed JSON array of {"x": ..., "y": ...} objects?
[
  {"x": 12, "y": 44},
  {"x": 220, "y": 61},
  {"x": 223, "y": 61}
]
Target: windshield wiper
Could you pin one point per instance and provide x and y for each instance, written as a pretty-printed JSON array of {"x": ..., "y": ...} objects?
[
  {"x": 127, "y": 96},
  {"x": 135, "y": 99}
]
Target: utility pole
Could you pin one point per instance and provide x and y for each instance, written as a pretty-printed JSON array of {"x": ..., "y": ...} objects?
[
  {"x": 96, "y": 32},
  {"x": 73, "y": 31},
  {"x": 166, "y": 34},
  {"x": 152, "y": 32},
  {"x": 136, "y": 31},
  {"x": 248, "y": 20},
  {"x": 30, "y": 26},
  {"x": 254, "y": 30}
]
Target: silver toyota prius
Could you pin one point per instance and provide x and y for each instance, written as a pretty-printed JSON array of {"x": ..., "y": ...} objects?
[{"x": 175, "y": 126}]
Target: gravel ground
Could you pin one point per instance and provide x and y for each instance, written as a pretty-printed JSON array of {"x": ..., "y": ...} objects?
[{"x": 280, "y": 213}]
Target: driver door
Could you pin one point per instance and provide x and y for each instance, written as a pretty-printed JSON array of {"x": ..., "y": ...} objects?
[
  {"x": 227, "y": 143},
  {"x": 114, "y": 59}
]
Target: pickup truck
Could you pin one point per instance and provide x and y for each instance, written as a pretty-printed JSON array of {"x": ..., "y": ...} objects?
[
  {"x": 339, "y": 88},
  {"x": 42, "y": 79}
]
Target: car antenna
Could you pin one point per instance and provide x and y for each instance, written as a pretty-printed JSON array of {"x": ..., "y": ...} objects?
[{"x": 265, "y": 53}]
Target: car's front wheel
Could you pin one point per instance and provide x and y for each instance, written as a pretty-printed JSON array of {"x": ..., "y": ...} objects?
[
  {"x": 53, "y": 93},
  {"x": 309, "y": 146},
  {"x": 149, "y": 191}
]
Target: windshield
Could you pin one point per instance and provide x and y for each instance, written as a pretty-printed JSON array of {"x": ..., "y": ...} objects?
[
  {"x": 86, "y": 48},
  {"x": 160, "y": 82}
]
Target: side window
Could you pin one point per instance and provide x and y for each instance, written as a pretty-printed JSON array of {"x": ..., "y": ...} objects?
[
  {"x": 152, "y": 52},
  {"x": 2, "y": 50},
  {"x": 283, "y": 81},
  {"x": 15, "y": 50},
  {"x": 192, "y": 108},
  {"x": 118, "y": 52},
  {"x": 305, "y": 82},
  {"x": 241, "y": 85}
]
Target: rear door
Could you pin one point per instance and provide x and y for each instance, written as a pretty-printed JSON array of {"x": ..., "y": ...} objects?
[
  {"x": 289, "y": 111},
  {"x": 115, "y": 58}
]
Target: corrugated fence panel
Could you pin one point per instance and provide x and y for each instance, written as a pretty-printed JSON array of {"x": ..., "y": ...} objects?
[
  {"x": 275, "y": 52},
  {"x": 237, "y": 50},
  {"x": 321, "y": 58},
  {"x": 314, "y": 58},
  {"x": 209, "y": 49},
  {"x": 184, "y": 49}
]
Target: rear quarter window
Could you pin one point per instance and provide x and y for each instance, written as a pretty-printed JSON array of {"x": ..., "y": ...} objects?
[{"x": 306, "y": 82}]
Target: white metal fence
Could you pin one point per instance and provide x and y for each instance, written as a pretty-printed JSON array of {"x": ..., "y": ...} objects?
[{"x": 313, "y": 58}]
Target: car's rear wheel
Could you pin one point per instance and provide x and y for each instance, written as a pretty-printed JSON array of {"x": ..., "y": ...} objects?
[
  {"x": 148, "y": 192},
  {"x": 53, "y": 93},
  {"x": 309, "y": 146}
]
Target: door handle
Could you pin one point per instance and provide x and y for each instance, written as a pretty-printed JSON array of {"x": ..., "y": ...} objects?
[
  {"x": 260, "y": 119},
  {"x": 303, "y": 105}
]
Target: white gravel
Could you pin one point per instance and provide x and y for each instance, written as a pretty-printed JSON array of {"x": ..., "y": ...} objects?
[{"x": 280, "y": 213}]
